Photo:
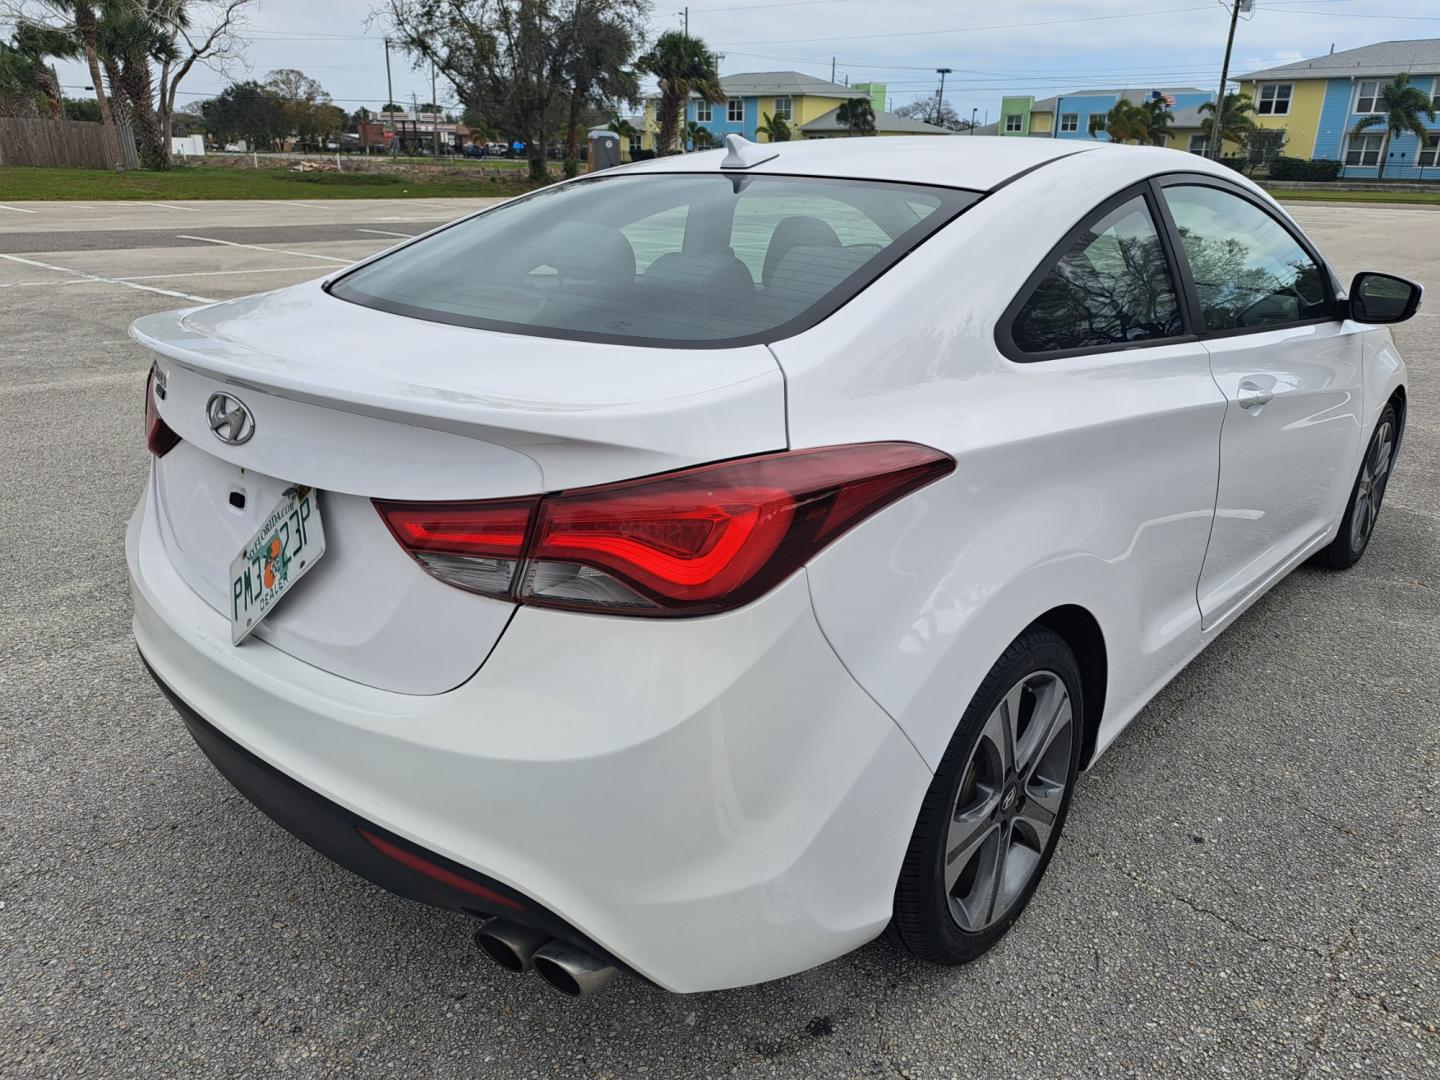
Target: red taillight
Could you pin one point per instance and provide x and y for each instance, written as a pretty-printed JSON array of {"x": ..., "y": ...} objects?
[
  {"x": 477, "y": 546},
  {"x": 158, "y": 435},
  {"x": 701, "y": 540}
]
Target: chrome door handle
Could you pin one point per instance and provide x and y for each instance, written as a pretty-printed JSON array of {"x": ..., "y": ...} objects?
[{"x": 1252, "y": 395}]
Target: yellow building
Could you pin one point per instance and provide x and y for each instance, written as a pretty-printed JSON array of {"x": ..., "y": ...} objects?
[{"x": 808, "y": 106}]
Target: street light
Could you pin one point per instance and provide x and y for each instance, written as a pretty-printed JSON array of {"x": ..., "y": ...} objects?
[
  {"x": 972, "y": 118},
  {"x": 940, "y": 94}
]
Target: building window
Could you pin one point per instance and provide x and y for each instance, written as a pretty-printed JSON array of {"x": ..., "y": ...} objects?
[
  {"x": 704, "y": 113},
  {"x": 636, "y": 143},
  {"x": 1274, "y": 99},
  {"x": 1429, "y": 155},
  {"x": 1069, "y": 121},
  {"x": 1365, "y": 95},
  {"x": 1435, "y": 94},
  {"x": 735, "y": 110},
  {"x": 1363, "y": 149},
  {"x": 1014, "y": 122},
  {"x": 1199, "y": 144},
  {"x": 784, "y": 109}
]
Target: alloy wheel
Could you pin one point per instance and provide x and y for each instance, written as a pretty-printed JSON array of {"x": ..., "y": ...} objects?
[
  {"x": 1009, "y": 800},
  {"x": 1370, "y": 487}
]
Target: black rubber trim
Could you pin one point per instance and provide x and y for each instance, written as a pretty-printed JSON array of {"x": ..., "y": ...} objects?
[
  {"x": 333, "y": 831},
  {"x": 1031, "y": 168}
]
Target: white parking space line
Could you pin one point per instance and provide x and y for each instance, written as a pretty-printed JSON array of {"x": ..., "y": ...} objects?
[
  {"x": 108, "y": 280},
  {"x": 17, "y": 209},
  {"x": 219, "y": 273},
  {"x": 165, "y": 277},
  {"x": 382, "y": 232},
  {"x": 292, "y": 202},
  {"x": 257, "y": 247},
  {"x": 168, "y": 206}
]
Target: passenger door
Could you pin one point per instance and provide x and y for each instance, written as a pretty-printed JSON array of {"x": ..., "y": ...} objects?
[{"x": 1290, "y": 371}]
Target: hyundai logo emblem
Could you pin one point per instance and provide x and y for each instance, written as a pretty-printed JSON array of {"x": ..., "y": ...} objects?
[{"x": 229, "y": 419}]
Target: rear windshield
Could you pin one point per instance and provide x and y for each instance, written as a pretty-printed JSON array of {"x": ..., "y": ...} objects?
[{"x": 659, "y": 259}]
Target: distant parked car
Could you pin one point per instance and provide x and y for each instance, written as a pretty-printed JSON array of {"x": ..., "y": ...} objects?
[
  {"x": 731, "y": 556},
  {"x": 471, "y": 150}
]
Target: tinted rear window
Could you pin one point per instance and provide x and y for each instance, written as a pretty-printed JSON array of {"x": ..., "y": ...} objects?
[{"x": 660, "y": 259}]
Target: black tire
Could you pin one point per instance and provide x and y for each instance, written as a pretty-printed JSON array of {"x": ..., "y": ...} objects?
[
  {"x": 928, "y": 919},
  {"x": 1366, "y": 496}
]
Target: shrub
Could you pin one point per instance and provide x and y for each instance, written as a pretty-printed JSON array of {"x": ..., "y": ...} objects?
[
  {"x": 571, "y": 167},
  {"x": 1289, "y": 168},
  {"x": 641, "y": 155}
]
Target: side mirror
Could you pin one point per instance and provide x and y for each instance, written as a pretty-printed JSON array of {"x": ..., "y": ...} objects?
[{"x": 1383, "y": 298}]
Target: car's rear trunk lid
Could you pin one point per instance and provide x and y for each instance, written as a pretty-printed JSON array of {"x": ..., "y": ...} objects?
[{"x": 362, "y": 404}]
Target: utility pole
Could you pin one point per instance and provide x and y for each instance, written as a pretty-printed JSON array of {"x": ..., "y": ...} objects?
[
  {"x": 972, "y": 119},
  {"x": 940, "y": 94},
  {"x": 687, "y": 20},
  {"x": 434, "y": 112},
  {"x": 1212, "y": 149},
  {"x": 389, "y": 98},
  {"x": 832, "y": 69}
]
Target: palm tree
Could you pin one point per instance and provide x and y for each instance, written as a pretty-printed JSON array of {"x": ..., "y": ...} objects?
[
  {"x": 857, "y": 114},
  {"x": 1125, "y": 121},
  {"x": 1157, "y": 119},
  {"x": 684, "y": 66},
  {"x": 1237, "y": 121},
  {"x": 1398, "y": 109},
  {"x": 129, "y": 39},
  {"x": 698, "y": 136},
  {"x": 775, "y": 129},
  {"x": 27, "y": 77}
]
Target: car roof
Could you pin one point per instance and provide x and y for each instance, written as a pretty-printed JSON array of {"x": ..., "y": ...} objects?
[{"x": 977, "y": 163}]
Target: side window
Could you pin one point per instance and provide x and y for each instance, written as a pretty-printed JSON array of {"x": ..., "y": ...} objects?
[
  {"x": 1248, "y": 270},
  {"x": 1112, "y": 287}
]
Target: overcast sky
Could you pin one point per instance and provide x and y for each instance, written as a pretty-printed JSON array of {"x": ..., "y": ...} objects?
[{"x": 1039, "y": 47}]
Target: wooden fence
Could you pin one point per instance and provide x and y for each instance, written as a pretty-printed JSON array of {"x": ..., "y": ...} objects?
[{"x": 71, "y": 144}]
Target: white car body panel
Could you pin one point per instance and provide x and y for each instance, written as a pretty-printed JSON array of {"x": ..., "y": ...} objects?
[
  {"x": 754, "y": 791},
  {"x": 573, "y": 408},
  {"x": 1285, "y": 466},
  {"x": 415, "y": 427},
  {"x": 727, "y": 799}
]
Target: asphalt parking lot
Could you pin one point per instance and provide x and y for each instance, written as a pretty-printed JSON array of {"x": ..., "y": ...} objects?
[{"x": 1249, "y": 882}]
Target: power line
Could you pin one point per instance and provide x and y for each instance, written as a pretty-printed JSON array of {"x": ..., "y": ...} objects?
[{"x": 975, "y": 29}]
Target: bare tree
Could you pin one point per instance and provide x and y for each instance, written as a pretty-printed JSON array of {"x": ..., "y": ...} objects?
[
  {"x": 194, "y": 32},
  {"x": 518, "y": 62}
]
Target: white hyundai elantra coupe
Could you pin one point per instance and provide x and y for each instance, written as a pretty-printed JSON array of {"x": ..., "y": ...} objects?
[{"x": 697, "y": 568}]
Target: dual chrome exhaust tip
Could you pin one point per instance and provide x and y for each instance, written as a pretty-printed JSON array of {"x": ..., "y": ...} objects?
[{"x": 571, "y": 971}]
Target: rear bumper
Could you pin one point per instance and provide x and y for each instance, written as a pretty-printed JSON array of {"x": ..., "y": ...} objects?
[
  {"x": 711, "y": 803},
  {"x": 341, "y": 836}
]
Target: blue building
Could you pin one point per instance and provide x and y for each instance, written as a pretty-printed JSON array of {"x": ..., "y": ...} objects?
[
  {"x": 1318, "y": 103},
  {"x": 1069, "y": 116}
]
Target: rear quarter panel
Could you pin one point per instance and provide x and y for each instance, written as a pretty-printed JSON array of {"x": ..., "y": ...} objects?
[{"x": 1087, "y": 481}]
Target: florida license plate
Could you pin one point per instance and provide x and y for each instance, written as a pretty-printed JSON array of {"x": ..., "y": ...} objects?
[{"x": 288, "y": 543}]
